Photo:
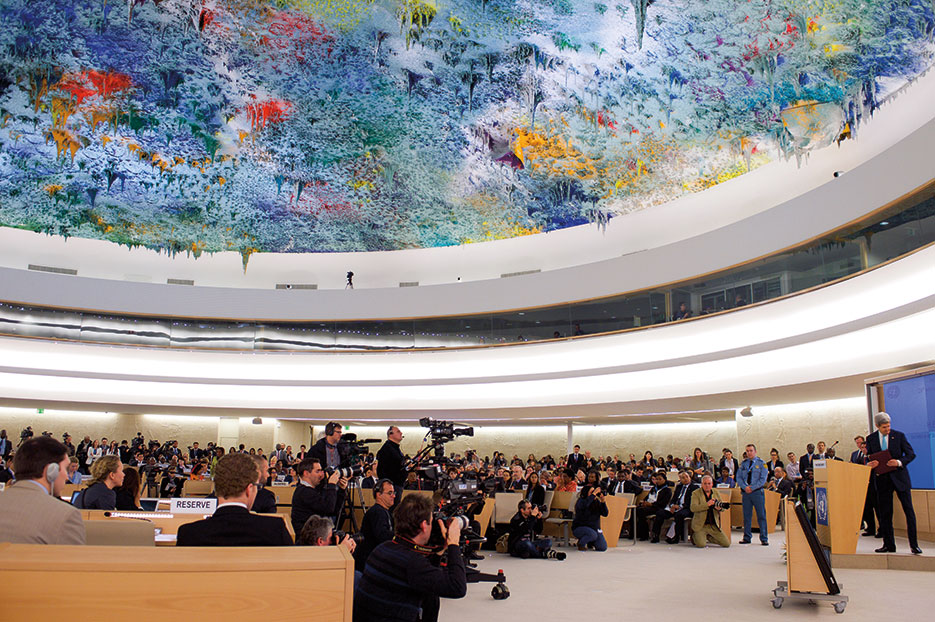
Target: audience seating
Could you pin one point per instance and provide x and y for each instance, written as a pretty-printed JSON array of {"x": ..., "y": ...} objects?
[
  {"x": 43, "y": 582},
  {"x": 561, "y": 526},
  {"x": 119, "y": 532},
  {"x": 194, "y": 488}
]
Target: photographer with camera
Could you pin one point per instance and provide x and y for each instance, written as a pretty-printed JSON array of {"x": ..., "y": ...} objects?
[
  {"x": 316, "y": 493},
  {"x": 586, "y": 526},
  {"x": 706, "y": 515},
  {"x": 319, "y": 531},
  {"x": 525, "y": 525},
  {"x": 400, "y": 581}
]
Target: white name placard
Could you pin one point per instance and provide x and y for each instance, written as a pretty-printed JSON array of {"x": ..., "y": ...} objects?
[
  {"x": 190, "y": 505},
  {"x": 818, "y": 464},
  {"x": 723, "y": 485}
]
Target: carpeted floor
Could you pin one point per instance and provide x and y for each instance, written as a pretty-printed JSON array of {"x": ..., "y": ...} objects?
[{"x": 663, "y": 582}]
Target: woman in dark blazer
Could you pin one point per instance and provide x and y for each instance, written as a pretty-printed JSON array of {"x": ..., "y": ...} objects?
[{"x": 774, "y": 461}]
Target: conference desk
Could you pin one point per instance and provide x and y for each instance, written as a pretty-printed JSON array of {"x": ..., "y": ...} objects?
[
  {"x": 54, "y": 582},
  {"x": 167, "y": 523}
]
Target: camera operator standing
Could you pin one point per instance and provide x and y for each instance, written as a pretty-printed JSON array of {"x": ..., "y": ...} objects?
[
  {"x": 327, "y": 449},
  {"x": 400, "y": 583},
  {"x": 390, "y": 461}
]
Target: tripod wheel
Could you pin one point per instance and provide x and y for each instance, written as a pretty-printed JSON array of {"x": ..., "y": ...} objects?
[{"x": 500, "y": 592}]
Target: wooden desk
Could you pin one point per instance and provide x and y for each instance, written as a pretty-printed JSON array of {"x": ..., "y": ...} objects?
[
  {"x": 725, "y": 495},
  {"x": 168, "y": 523},
  {"x": 208, "y": 584},
  {"x": 283, "y": 494}
]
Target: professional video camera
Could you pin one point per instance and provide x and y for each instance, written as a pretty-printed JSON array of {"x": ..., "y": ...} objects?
[
  {"x": 351, "y": 450},
  {"x": 444, "y": 431},
  {"x": 460, "y": 499}
]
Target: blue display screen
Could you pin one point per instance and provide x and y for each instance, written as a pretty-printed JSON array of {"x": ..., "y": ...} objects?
[{"x": 911, "y": 405}]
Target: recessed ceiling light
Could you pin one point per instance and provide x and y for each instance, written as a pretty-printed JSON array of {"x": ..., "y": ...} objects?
[{"x": 885, "y": 222}]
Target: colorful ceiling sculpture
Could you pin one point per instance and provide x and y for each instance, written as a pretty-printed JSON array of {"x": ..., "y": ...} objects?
[{"x": 365, "y": 125}]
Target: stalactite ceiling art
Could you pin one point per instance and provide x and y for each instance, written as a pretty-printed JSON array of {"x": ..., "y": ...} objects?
[{"x": 365, "y": 125}]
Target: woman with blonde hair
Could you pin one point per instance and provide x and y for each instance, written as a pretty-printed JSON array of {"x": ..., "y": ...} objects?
[{"x": 106, "y": 474}]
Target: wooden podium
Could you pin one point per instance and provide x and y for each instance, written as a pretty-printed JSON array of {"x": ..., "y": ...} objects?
[{"x": 840, "y": 491}]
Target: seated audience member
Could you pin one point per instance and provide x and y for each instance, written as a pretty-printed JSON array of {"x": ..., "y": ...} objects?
[
  {"x": 706, "y": 518},
  {"x": 412, "y": 481},
  {"x": 74, "y": 475},
  {"x": 128, "y": 493},
  {"x": 611, "y": 480},
  {"x": 199, "y": 470},
  {"x": 232, "y": 524},
  {"x": 728, "y": 461},
  {"x": 171, "y": 484},
  {"x": 316, "y": 493},
  {"x": 593, "y": 478},
  {"x": 370, "y": 478},
  {"x": 535, "y": 492},
  {"x": 517, "y": 479},
  {"x": 377, "y": 524},
  {"x": 700, "y": 464},
  {"x": 565, "y": 481},
  {"x": 780, "y": 483},
  {"x": 546, "y": 480},
  {"x": 525, "y": 525},
  {"x": 319, "y": 531},
  {"x": 6, "y": 475},
  {"x": 677, "y": 509},
  {"x": 625, "y": 484},
  {"x": 655, "y": 502},
  {"x": 400, "y": 583},
  {"x": 683, "y": 312},
  {"x": 106, "y": 474},
  {"x": 31, "y": 511},
  {"x": 726, "y": 478},
  {"x": 265, "y": 502},
  {"x": 586, "y": 525}
]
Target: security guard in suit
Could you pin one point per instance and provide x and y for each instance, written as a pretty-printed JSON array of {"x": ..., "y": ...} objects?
[{"x": 752, "y": 477}]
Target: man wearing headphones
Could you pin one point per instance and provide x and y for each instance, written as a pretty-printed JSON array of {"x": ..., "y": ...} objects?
[
  {"x": 31, "y": 511},
  {"x": 327, "y": 450}
]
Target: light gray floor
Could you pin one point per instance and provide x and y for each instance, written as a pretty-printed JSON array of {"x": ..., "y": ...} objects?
[{"x": 664, "y": 582}]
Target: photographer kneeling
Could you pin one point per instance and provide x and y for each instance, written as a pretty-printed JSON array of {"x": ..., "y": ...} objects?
[
  {"x": 586, "y": 526},
  {"x": 524, "y": 527},
  {"x": 706, "y": 519},
  {"x": 400, "y": 582}
]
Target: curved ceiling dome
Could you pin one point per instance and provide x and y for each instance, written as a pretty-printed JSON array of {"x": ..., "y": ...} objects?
[{"x": 313, "y": 126}]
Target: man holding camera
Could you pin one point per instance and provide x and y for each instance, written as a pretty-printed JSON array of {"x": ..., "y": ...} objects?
[
  {"x": 400, "y": 582},
  {"x": 706, "y": 515},
  {"x": 319, "y": 531},
  {"x": 316, "y": 493},
  {"x": 525, "y": 525}
]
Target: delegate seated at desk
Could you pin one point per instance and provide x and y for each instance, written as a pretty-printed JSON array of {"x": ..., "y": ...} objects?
[{"x": 235, "y": 482}]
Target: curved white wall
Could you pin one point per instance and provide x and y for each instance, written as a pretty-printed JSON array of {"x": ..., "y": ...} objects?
[
  {"x": 871, "y": 323},
  {"x": 755, "y": 214}
]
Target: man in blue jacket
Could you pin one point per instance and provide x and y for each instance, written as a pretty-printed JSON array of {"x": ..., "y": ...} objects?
[
  {"x": 901, "y": 454},
  {"x": 751, "y": 477}
]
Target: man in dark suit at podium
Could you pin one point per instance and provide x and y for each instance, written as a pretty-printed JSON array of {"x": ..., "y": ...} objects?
[
  {"x": 232, "y": 524},
  {"x": 901, "y": 454}
]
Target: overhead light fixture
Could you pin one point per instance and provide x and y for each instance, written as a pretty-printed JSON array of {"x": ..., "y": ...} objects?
[
  {"x": 257, "y": 421},
  {"x": 746, "y": 411}
]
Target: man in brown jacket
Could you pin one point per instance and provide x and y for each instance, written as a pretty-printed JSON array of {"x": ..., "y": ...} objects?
[
  {"x": 706, "y": 519},
  {"x": 32, "y": 511}
]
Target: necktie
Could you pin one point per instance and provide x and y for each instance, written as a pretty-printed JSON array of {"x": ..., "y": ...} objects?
[{"x": 884, "y": 444}]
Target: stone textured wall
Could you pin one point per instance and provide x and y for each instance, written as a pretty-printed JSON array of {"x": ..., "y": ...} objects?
[{"x": 787, "y": 427}]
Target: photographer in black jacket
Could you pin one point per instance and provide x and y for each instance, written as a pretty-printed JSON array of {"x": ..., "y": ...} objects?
[
  {"x": 315, "y": 494},
  {"x": 525, "y": 525},
  {"x": 400, "y": 583}
]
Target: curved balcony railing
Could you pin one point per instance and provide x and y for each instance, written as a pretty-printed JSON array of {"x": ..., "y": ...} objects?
[{"x": 887, "y": 234}]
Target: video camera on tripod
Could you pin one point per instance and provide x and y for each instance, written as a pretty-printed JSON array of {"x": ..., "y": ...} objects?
[{"x": 350, "y": 450}]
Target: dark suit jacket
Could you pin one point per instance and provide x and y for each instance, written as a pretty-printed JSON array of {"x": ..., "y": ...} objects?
[
  {"x": 575, "y": 462},
  {"x": 233, "y": 525},
  {"x": 899, "y": 449},
  {"x": 688, "y": 494},
  {"x": 720, "y": 465},
  {"x": 318, "y": 451},
  {"x": 857, "y": 458},
  {"x": 265, "y": 502},
  {"x": 805, "y": 464}
]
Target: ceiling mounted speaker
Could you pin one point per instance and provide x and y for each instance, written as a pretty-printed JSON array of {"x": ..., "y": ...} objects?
[
  {"x": 257, "y": 421},
  {"x": 746, "y": 411}
]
